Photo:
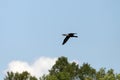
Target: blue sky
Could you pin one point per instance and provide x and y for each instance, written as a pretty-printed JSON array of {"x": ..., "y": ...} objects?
[{"x": 31, "y": 29}]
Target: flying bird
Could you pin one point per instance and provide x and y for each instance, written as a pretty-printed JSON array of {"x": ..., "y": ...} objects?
[{"x": 68, "y": 36}]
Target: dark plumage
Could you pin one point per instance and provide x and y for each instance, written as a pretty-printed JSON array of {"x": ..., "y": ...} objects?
[{"x": 68, "y": 36}]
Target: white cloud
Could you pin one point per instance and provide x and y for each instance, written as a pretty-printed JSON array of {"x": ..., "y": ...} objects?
[
  {"x": 37, "y": 68},
  {"x": 76, "y": 61}
]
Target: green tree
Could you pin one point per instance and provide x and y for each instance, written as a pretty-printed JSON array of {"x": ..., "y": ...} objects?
[
  {"x": 117, "y": 76},
  {"x": 110, "y": 75},
  {"x": 63, "y": 70},
  {"x": 87, "y": 72},
  {"x": 19, "y": 76},
  {"x": 100, "y": 74}
]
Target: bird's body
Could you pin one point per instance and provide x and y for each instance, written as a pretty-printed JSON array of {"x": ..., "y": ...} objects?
[{"x": 68, "y": 36}]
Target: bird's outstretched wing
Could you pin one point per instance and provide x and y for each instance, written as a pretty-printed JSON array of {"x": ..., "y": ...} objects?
[{"x": 65, "y": 40}]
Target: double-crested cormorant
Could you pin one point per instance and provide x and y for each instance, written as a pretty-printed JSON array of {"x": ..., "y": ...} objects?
[{"x": 68, "y": 36}]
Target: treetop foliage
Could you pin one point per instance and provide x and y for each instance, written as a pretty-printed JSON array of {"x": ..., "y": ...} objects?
[{"x": 64, "y": 70}]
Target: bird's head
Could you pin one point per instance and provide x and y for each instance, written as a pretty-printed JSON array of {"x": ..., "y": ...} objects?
[{"x": 65, "y": 34}]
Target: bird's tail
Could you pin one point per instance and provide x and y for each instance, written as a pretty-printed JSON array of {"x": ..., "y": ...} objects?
[{"x": 75, "y": 36}]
